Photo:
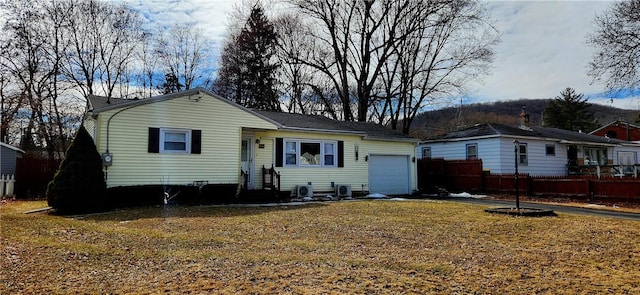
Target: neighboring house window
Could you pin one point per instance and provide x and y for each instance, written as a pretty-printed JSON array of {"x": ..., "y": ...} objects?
[
  {"x": 627, "y": 160},
  {"x": 550, "y": 149},
  {"x": 611, "y": 134},
  {"x": 310, "y": 153},
  {"x": 173, "y": 140},
  {"x": 522, "y": 149},
  {"x": 472, "y": 151},
  {"x": 426, "y": 153},
  {"x": 595, "y": 156}
]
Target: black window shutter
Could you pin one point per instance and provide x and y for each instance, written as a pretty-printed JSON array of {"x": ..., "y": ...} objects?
[
  {"x": 154, "y": 140},
  {"x": 279, "y": 151},
  {"x": 196, "y": 141},
  {"x": 340, "y": 153}
]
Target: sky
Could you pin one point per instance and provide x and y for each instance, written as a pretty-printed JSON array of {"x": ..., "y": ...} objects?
[{"x": 543, "y": 47}]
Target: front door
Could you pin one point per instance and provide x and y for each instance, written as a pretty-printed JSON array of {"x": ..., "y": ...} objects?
[
  {"x": 572, "y": 157},
  {"x": 246, "y": 157}
]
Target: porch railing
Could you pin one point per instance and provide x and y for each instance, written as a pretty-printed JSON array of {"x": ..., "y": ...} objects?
[
  {"x": 270, "y": 179},
  {"x": 605, "y": 170},
  {"x": 245, "y": 180}
]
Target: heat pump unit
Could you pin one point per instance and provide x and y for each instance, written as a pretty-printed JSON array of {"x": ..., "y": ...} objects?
[
  {"x": 343, "y": 190},
  {"x": 304, "y": 191}
]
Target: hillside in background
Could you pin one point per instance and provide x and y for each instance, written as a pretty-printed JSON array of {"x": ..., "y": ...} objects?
[{"x": 435, "y": 123}]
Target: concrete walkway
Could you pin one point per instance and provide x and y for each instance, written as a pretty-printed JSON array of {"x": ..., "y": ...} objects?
[{"x": 556, "y": 208}]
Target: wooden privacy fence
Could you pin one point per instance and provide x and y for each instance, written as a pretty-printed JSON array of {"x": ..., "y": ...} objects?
[
  {"x": 462, "y": 175},
  {"x": 440, "y": 173},
  {"x": 33, "y": 175}
]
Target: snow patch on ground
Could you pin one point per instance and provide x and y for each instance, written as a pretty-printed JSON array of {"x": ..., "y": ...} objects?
[
  {"x": 376, "y": 196},
  {"x": 467, "y": 195}
]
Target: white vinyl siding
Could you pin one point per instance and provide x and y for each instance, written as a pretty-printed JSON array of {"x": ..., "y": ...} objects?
[{"x": 497, "y": 155}]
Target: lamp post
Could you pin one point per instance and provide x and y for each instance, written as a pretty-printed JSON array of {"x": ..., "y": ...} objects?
[{"x": 516, "y": 145}]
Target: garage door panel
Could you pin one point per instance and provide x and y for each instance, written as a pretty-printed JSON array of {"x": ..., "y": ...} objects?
[{"x": 389, "y": 174}]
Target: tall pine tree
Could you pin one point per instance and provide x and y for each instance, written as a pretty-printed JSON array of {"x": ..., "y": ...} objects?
[
  {"x": 248, "y": 68},
  {"x": 569, "y": 111}
]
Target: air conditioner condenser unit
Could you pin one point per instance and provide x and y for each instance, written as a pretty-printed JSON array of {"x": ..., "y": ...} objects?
[
  {"x": 304, "y": 191},
  {"x": 343, "y": 190}
]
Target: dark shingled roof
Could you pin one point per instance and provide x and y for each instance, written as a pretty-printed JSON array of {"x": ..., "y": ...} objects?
[
  {"x": 489, "y": 129},
  {"x": 321, "y": 123},
  {"x": 102, "y": 103},
  {"x": 285, "y": 120}
]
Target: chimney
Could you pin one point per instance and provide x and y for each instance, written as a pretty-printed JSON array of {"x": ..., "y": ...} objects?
[{"x": 524, "y": 119}]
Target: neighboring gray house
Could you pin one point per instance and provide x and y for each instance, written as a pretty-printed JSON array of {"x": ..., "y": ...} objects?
[
  {"x": 542, "y": 151},
  {"x": 8, "y": 158}
]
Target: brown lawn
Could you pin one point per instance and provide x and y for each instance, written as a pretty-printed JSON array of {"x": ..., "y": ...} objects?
[{"x": 372, "y": 247}]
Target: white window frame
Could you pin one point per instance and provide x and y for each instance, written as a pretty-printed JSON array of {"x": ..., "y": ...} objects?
[
  {"x": 523, "y": 158},
  {"x": 164, "y": 131},
  {"x": 546, "y": 149},
  {"x": 468, "y": 157},
  {"x": 298, "y": 150},
  {"x": 426, "y": 152}
]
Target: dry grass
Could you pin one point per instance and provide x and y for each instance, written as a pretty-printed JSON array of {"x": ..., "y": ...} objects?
[{"x": 333, "y": 248}]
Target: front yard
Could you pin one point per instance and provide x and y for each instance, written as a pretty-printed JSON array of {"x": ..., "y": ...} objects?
[{"x": 360, "y": 247}]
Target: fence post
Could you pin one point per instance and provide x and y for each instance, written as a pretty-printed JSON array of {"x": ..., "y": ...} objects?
[
  {"x": 10, "y": 184},
  {"x": 2, "y": 185},
  {"x": 589, "y": 190}
]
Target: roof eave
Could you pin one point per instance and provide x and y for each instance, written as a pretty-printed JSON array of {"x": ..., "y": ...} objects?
[
  {"x": 397, "y": 139},
  {"x": 461, "y": 138},
  {"x": 17, "y": 149},
  {"x": 588, "y": 143},
  {"x": 318, "y": 130}
]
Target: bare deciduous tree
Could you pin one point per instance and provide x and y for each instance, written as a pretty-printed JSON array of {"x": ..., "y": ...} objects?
[
  {"x": 103, "y": 37},
  {"x": 446, "y": 44},
  {"x": 30, "y": 61},
  {"x": 183, "y": 53},
  {"x": 351, "y": 43},
  {"x": 386, "y": 59},
  {"x": 303, "y": 90},
  {"x": 616, "y": 41}
]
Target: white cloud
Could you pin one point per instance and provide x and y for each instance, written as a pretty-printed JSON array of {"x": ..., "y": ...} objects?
[
  {"x": 209, "y": 15},
  {"x": 543, "y": 49}
]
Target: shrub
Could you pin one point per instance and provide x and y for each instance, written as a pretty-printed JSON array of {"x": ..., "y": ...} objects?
[
  {"x": 148, "y": 195},
  {"x": 78, "y": 186},
  {"x": 224, "y": 193}
]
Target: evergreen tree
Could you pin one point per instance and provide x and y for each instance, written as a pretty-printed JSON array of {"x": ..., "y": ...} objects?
[
  {"x": 171, "y": 84},
  {"x": 78, "y": 186},
  {"x": 569, "y": 111},
  {"x": 248, "y": 67}
]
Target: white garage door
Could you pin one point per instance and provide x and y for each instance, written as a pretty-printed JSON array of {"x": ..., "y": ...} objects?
[{"x": 389, "y": 174}]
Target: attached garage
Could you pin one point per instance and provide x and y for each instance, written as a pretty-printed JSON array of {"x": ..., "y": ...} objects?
[{"x": 390, "y": 174}]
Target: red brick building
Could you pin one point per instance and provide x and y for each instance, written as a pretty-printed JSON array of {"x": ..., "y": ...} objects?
[{"x": 619, "y": 130}]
